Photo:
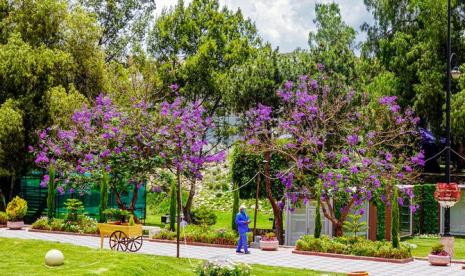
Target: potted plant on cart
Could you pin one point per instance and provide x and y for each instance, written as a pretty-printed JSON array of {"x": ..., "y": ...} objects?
[
  {"x": 15, "y": 211},
  {"x": 269, "y": 242},
  {"x": 439, "y": 256},
  {"x": 117, "y": 216}
]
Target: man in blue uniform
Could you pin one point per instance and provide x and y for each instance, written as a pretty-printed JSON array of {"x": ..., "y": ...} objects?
[{"x": 242, "y": 221}]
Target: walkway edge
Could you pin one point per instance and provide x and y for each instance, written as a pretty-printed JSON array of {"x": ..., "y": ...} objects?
[{"x": 351, "y": 257}]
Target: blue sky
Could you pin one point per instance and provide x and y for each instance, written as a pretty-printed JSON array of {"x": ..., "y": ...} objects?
[{"x": 286, "y": 23}]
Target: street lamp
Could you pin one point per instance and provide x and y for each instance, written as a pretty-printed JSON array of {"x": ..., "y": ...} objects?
[{"x": 447, "y": 192}]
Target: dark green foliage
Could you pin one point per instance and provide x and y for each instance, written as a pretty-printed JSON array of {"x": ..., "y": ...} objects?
[
  {"x": 124, "y": 24},
  {"x": 381, "y": 219},
  {"x": 245, "y": 165},
  {"x": 203, "y": 216},
  {"x": 118, "y": 215},
  {"x": 173, "y": 205},
  {"x": 51, "y": 191},
  {"x": 74, "y": 207},
  {"x": 353, "y": 246},
  {"x": 104, "y": 186},
  {"x": 395, "y": 221},
  {"x": 235, "y": 207},
  {"x": 425, "y": 219}
]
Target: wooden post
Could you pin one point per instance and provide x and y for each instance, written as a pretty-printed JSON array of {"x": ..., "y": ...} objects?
[
  {"x": 372, "y": 221},
  {"x": 387, "y": 222},
  {"x": 256, "y": 208}
]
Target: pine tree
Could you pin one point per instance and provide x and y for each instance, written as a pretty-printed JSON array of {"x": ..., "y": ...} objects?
[
  {"x": 317, "y": 232},
  {"x": 51, "y": 193},
  {"x": 104, "y": 183}
]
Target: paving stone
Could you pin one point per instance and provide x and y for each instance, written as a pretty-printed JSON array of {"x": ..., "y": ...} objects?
[{"x": 282, "y": 257}]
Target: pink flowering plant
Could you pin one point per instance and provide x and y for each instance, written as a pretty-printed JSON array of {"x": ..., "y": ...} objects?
[{"x": 348, "y": 146}]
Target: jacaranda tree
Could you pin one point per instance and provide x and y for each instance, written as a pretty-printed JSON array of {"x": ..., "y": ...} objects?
[
  {"x": 350, "y": 146},
  {"x": 182, "y": 134},
  {"x": 90, "y": 152}
]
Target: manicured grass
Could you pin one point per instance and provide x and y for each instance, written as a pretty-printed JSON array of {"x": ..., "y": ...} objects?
[
  {"x": 424, "y": 246},
  {"x": 223, "y": 220},
  {"x": 26, "y": 257}
]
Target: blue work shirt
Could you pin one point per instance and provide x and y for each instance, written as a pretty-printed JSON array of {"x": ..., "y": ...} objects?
[{"x": 241, "y": 221}]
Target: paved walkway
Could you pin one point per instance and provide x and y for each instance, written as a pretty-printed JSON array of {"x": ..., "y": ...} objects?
[{"x": 282, "y": 257}]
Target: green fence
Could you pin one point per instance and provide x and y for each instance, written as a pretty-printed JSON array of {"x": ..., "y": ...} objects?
[{"x": 36, "y": 198}]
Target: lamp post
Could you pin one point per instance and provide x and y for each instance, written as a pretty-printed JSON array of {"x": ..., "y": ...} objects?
[{"x": 448, "y": 193}]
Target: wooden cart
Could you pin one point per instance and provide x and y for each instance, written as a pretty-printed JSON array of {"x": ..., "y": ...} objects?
[{"x": 123, "y": 237}]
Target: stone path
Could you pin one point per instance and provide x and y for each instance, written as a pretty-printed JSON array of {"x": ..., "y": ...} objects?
[{"x": 282, "y": 257}]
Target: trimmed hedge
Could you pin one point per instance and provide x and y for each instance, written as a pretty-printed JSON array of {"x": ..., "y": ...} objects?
[
  {"x": 425, "y": 220},
  {"x": 356, "y": 246}
]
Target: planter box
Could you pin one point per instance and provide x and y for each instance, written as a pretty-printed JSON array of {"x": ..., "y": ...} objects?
[
  {"x": 269, "y": 245},
  {"x": 352, "y": 257},
  {"x": 15, "y": 225},
  {"x": 439, "y": 260}
]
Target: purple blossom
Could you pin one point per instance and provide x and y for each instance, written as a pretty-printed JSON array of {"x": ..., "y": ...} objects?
[{"x": 352, "y": 139}]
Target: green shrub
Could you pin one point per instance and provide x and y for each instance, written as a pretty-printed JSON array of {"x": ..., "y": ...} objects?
[
  {"x": 354, "y": 225},
  {"x": 87, "y": 225},
  {"x": 357, "y": 246},
  {"x": 16, "y": 209},
  {"x": 222, "y": 268},
  {"x": 41, "y": 224},
  {"x": 75, "y": 208},
  {"x": 203, "y": 216},
  {"x": 117, "y": 214},
  {"x": 3, "y": 218},
  {"x": 195, "y": 233},
  {"x": 57, "y": 225}
]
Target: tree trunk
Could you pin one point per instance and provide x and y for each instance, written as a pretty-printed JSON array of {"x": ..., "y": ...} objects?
[
  {"x": 338, "y": 231},
  {"x": 187, "y": 209},
  {"x": 132, "y": 206},
  {"x": 278, "y": 216}
]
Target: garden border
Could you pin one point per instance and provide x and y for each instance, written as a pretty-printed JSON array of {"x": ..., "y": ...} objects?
[
  {"x": 352, "y": 257},
  {"x": 195, "y": 243},
  {"x": 62, "y": 232},
  {"x": 2, "y": 225}
]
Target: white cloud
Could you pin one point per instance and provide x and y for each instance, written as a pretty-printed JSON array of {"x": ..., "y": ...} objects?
[{"x": 286, "y": 23}]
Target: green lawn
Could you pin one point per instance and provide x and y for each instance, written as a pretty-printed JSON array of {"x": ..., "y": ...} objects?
[
  {"x": 223, "y": 220},
  {"x": 424, "y": 246},
  {"x": 26, "y": 257}
]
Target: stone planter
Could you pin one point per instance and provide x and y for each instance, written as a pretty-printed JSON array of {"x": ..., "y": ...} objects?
[
  {"x": 15, "y": 225},
  {"x": 358, "y": 273},
  {"x": 439, "y": 260},
  {"x": 269, "y": 245}
]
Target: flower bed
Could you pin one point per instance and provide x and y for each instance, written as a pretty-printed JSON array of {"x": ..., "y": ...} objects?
[
  {"x": 356, "y": 247},
  {"x": 198, "y": 234},
  {"x": 84, "y": 225},
  {"x": 3, "y": 219}
]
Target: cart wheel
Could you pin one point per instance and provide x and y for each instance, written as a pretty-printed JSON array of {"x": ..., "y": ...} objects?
[
  {"x": 118, "y": 241},
  {"x": 134, "y": 244}
]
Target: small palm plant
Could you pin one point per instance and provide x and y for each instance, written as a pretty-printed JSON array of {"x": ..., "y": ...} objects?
[{"x": 355, "y": 226}]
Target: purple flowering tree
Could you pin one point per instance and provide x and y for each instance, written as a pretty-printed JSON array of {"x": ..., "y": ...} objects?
[
  {"x": 346, "y": 147},
  {"x": 89, "y": 150},
  {"x": 185, "y": 149}
]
